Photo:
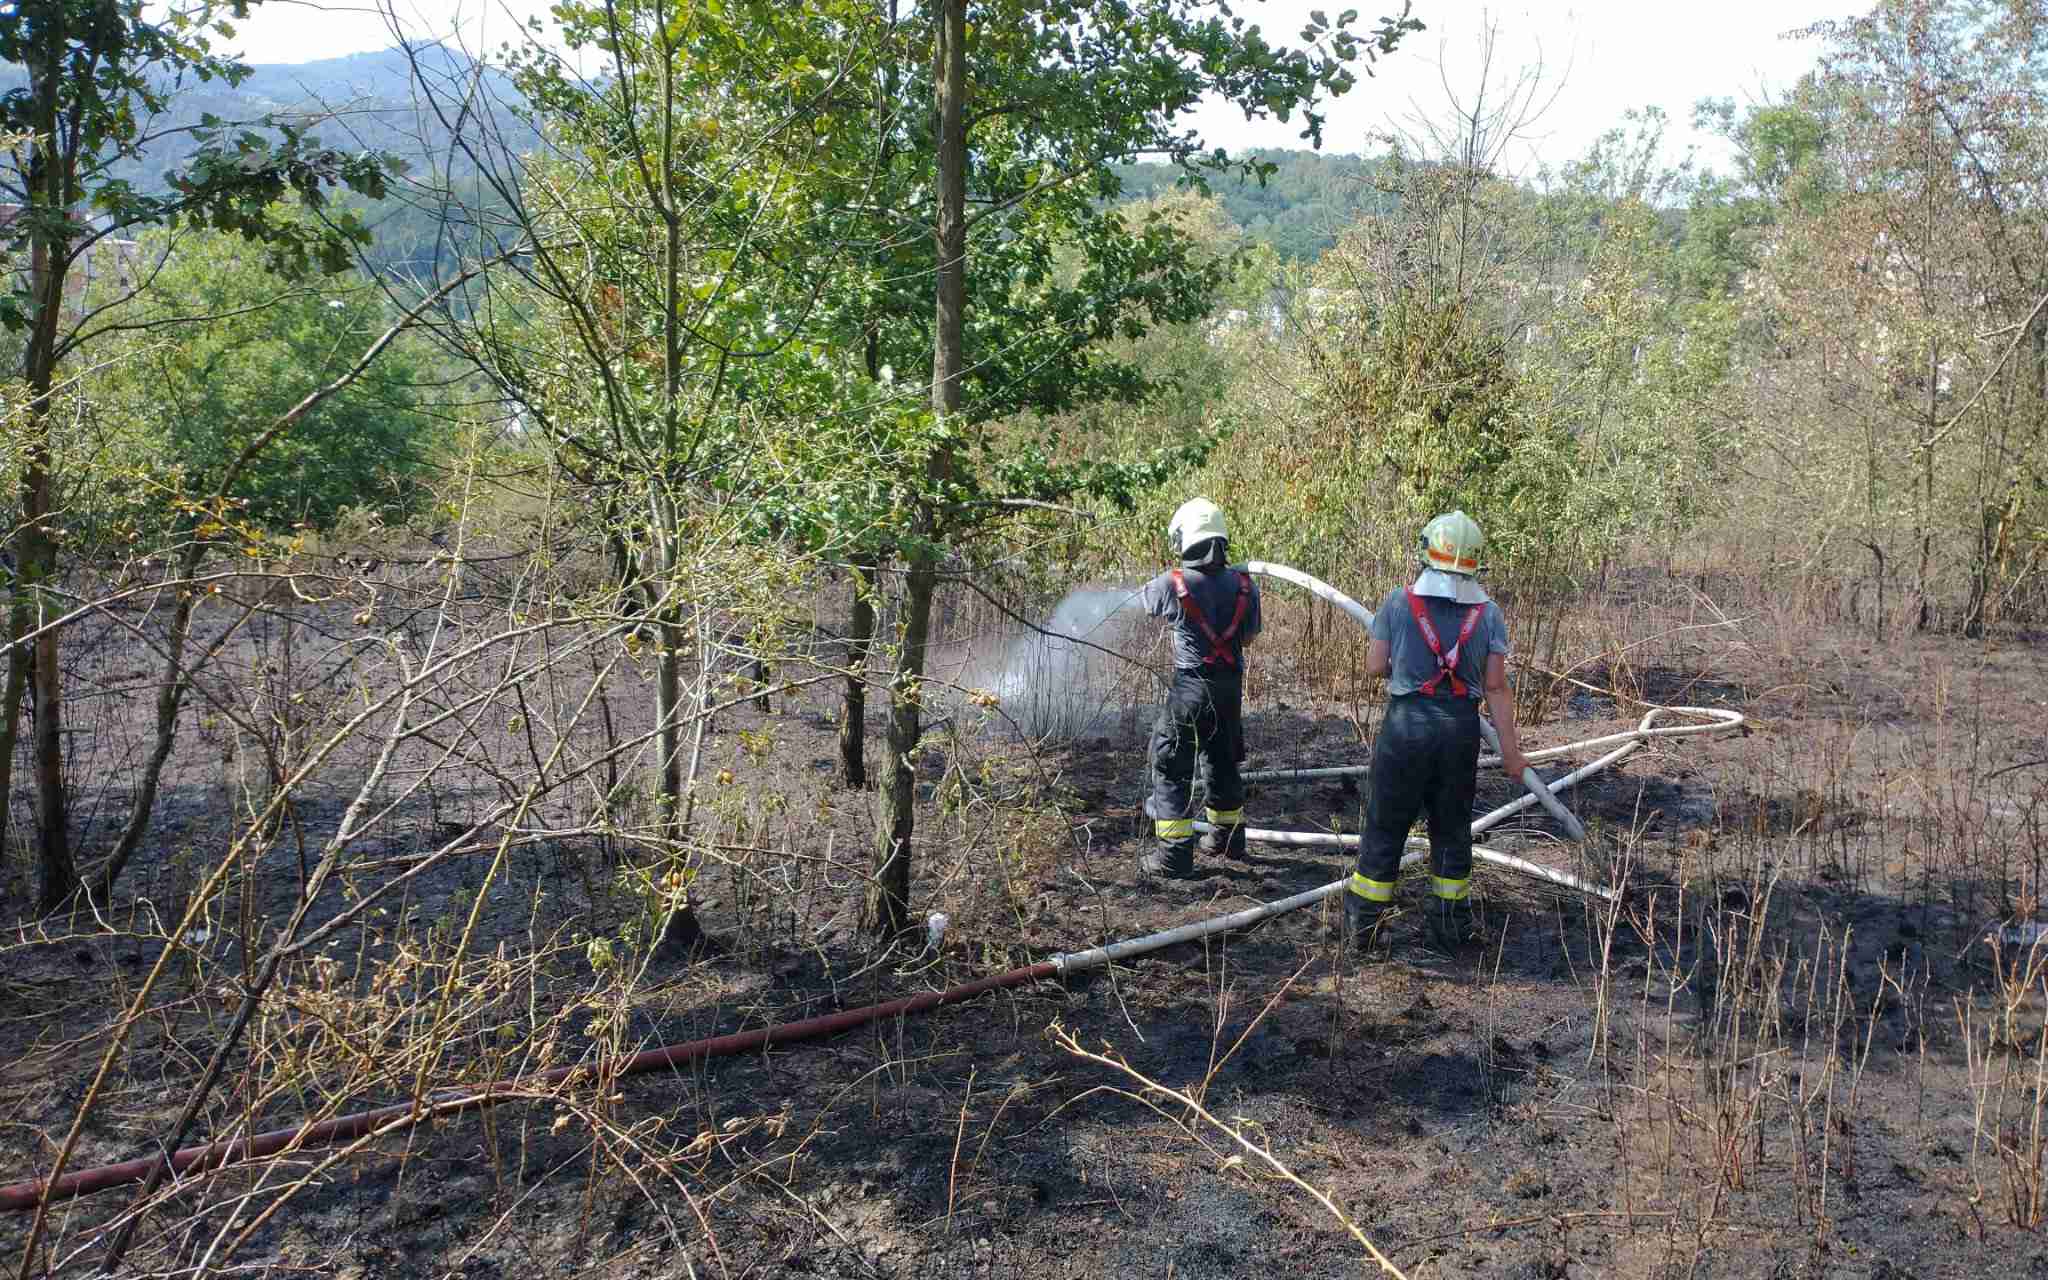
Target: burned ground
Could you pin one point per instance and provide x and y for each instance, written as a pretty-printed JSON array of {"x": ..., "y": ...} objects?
[{"x": 1787, "y": 1052}]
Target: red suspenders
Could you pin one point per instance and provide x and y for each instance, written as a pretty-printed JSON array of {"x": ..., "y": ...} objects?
[
  {"x": 1220, "y": 652},
  {"x": 1447, "y": 665}
]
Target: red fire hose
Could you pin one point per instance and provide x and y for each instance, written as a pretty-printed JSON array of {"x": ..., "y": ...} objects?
[{"x": 26, "y": 1195}]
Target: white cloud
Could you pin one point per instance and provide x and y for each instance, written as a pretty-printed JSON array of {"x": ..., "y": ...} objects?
[
  {"x": 1610, "y": 55},
  {"x": 298, "y": 31},
  {"x": 1601, "y": 57}
]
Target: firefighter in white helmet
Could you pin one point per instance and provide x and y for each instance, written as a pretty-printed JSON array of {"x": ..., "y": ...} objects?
[
  {"x": 1442, "y": 644},
  {"x": 1213, "y": 611}
]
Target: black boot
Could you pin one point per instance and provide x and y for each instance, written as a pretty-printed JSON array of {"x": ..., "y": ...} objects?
[
  {"x": 1361, "y": 922},
  {"x": 1169, "y": 861},
  {"x": 1175, "y": 855},
  {"x": 1450, "y": 923},
  {"x": 1228, "y": 842},
  {"x": 1237, "y": 848}
]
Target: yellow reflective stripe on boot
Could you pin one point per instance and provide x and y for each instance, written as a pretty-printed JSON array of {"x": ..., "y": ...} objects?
[
  {"x": 1225, "y": 817},
  {"x": 1452, "y": 890},
  {"x": 1174, "y": 828},
  {"x": 1372, "y": 890}
]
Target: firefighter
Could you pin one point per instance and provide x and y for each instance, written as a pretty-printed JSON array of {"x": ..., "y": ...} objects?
[
  {"x": 1213, "y": 612},
  {"x": 1442, "y": 645}
]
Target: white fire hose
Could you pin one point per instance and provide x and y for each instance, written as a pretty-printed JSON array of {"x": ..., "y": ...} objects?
[
  {"x": 1712, "y": 720},
  {"x": 1530, "y": 778}
]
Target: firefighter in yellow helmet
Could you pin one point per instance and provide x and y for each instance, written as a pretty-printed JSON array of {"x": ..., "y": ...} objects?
[
  {"x": 1442, "y": 645},
  {"x": 1213, "y": 610}
]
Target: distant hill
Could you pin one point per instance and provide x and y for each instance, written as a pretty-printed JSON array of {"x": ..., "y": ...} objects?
[
  {"x": 1299, "y": 210},
  {"x": 364, "y": 101},
  {"x": 367, "y": 101},
  {"x": 361, "y": 101}
]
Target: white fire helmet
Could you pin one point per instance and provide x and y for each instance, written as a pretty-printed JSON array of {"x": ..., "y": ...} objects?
[
  {"x": 1197, "y": 521},
  {"x": 1452, "y": 543}
]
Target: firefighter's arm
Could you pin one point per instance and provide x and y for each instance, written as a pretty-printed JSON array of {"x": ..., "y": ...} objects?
[
  {"x": 1379, "y": 659},
  {"x": 1500, "y": 703},
  {"x": 1157, "y": 600}
]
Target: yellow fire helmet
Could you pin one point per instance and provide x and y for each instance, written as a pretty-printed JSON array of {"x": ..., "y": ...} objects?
[{"x": 1452, "y": 543}]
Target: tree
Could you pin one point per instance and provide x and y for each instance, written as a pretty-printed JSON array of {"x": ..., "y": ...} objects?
[
  {"x": 1904, "y": 274},
  {"x": 98, "y": 73},
  {"x": 673, "y": 237},
  {"x": 1031, "y": 111},
  {"x": 218, "y": 346}
]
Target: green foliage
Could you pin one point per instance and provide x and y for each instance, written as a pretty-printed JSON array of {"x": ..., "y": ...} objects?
[
  {"x": 1522, "y": 355},
  {"x": 240, "y": 184},
  {"x": 682, "y": 222},
  {"x": 1432, "y": 396},
  {"x": 1062, "y": 288},
  {"x": 261, "y": 347},
  {"x": 1784, "y": 152},
  {"x": 99, "y": 72},
  {"x": 1408, "y": 405},
  {"x": 1296, "y": 203},
  {"x": 220, "y": 346},
  {"x": 1780, "y": 153},
  {"x": 1634, "y": 378}
]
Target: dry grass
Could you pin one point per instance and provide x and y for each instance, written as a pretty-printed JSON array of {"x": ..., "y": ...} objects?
[{"x": 409, "y": 874}]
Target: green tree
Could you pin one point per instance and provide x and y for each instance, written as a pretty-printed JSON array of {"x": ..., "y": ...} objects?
[
  {"x": 97, "y": 72},
  {"x": 674, "y": 234},
  {"x": 222, "y": 346},
  {"x": 1779, "y": 159},
  {"x": 1032, "y": 109}
]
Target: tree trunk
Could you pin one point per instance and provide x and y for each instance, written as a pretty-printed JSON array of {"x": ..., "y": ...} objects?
[
  {"x": 860, "y": 636},
  {"x": 2040, "y": 367},
  {"x": 681, "y": 932},
  {"x": 888, "y": 907},
  {"x": 668, "y": 709},
  {"x": 35, "y": 549},
  {"x": 38, "y": 560},
  {"x": 888, "y": 911},
  {"x": 1926, "y": 575}
]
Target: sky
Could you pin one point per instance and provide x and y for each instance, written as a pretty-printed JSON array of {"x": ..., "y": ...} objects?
[{"x": 1599, "y": 58}]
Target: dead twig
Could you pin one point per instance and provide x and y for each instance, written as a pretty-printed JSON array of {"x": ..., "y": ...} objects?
[{"x": 1065, "y": 1040}]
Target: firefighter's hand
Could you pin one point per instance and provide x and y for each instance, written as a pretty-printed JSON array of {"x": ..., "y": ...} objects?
[{"x": 1513, "y": 764}]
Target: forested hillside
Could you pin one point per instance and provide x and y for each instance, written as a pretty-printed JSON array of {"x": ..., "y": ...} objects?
[
  {"x": 1299, "y": 208},
  {"x": 359, "y": 102},
  {"x": 367, "y": 101}
]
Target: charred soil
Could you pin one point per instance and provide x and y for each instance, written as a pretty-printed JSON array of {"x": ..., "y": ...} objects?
[{"x": 1788, "y": 1051}]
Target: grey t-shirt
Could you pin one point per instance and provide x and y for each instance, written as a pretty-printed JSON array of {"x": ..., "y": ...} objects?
[
  {"x": 1413, "y": 664},
  {"x": 1215, "y": 594}
]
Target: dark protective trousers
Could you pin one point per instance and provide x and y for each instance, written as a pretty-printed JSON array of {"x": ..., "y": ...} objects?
[
  {"x": 1425, "y": 762},
  {"x": 1202, "y": 722}
]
